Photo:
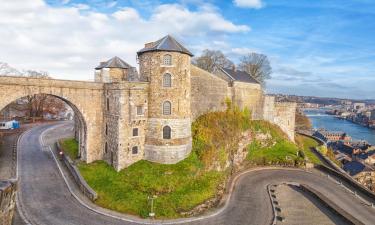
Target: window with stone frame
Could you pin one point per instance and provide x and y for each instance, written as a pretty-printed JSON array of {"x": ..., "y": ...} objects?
[
  {"x": 135, "y": 150},
  {"x": 167, "y": 60},
  {"x": 167, "y": 108},
  {"x": 139, "y": 110},
  {"x": 167, "y": 80},
  {"x": 135, "y": 132},
  {"x": 167, "y": 132}
]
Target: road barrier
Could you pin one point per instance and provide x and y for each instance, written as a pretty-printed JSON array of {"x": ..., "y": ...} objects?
[
  {"x": 360, "y": 189},
  {"x": 81, "y": 182},
  {"x": 330, "y": 205}
]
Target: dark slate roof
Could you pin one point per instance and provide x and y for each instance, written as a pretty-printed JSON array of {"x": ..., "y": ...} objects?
[
  {"x": 167, "y": 43},
  {"x": 115, "y": 62},
  {"x": 238, "y": 75}
]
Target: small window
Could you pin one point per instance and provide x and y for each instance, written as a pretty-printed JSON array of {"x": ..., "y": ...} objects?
[
  {"x": 167, "y": 108},
  {"x": 167, "y": 80},
  {"x": 167, "y": 60},
  {"x": 139, "y": 110},
  {"x": 167, "y": 132},
  {"x": 135, "y": 150},
  {"x": 107, "y": 104},
  {"x": 106, "y": 148},
  {"x": 135, "y": 132},
  {"x": 106, "y": 129}
]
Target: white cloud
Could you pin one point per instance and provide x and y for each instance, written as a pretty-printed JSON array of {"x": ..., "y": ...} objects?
[
  {"x": 257, "y": 4},
  {"x": 69, "y": 42}
]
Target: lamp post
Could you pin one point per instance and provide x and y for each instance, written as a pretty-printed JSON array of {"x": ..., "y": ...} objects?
[{"x": 151, "y": 198}]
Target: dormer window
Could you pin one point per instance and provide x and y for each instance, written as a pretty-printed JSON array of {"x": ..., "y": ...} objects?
[{"x": 167, "y": 60}]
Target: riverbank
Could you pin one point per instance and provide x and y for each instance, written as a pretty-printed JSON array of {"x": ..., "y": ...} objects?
[{"x": 329, "y": 122}]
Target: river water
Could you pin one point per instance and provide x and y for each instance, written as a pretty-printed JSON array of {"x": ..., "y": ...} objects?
[{"x": 321, "y": 120}]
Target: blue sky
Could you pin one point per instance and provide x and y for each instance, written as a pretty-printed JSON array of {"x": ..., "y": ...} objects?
[{"x": 321, "y": 48}]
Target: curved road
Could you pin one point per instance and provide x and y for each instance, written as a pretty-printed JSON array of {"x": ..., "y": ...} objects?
[{"x": 45, "y": 199}]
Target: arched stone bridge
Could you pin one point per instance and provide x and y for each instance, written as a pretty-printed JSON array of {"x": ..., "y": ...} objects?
[{"x": 85, "y": 98}]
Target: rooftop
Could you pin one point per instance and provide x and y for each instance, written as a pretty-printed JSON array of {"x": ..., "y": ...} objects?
[
  {"x": 114, "y": 62},
  {"x": 167, "y": 43},
  {"x": 238, "y": 75}
]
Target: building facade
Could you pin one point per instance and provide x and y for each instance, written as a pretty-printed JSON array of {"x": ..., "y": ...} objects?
[{"x": 148, "y": 115}]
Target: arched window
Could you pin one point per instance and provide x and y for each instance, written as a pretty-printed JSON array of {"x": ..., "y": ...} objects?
[
  {"x": 167, "y": 80},
  {"x": 167, "y": 108},
  {"x": 167, "y": 132},
  {"x": 167, "y": 60}
]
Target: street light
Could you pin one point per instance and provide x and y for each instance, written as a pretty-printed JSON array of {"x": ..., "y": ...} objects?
[{"x": 152, "y": 213}]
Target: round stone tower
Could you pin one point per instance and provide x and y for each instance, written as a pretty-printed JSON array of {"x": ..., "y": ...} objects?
[{"x": 165, "y": 64}]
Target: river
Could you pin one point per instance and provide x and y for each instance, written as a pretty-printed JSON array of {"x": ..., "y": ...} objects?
[{"x": 321, "y": 120}]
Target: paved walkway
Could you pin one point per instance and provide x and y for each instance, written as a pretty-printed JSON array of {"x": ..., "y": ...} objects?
[
  {"x": 45, "y": 198},
  {"x": 299, "y": 208}
]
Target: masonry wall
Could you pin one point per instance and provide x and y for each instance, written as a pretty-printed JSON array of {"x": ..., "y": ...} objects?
[
  {"x": 7, "y": 202},
  {"x": 208, "y": 92},
  {"x": 134, "y": 95},
  {"x": 280, "y": 113},
  {"x": 248, "y": 95},
  {"x": 179, "y": 95}
]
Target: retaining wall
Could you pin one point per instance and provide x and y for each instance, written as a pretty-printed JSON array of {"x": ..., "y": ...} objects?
[
  {"x": 8, "y": 190},
  {"x": 82, "y": 184},
  {"x": 330, "y": 205}
]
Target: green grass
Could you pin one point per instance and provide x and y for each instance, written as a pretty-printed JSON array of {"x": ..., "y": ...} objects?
[
  {"x": 179, "y": 187},
  {"x": 182, "y": 186},
  {"x": 70, "y": 147},
  {"x": 305, "y": 144},
  {"x": 276, "y": 150}
]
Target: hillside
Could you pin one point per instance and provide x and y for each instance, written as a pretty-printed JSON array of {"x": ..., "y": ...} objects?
[{"x": 223, "y": 143}]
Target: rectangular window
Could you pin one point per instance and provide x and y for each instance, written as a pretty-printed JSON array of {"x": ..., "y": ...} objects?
[
  {"x": 107, "y": 104},
  {"x": 135, "y": 150},
  {"x": 139, "y": 110},
  {"x": 135, "y": 132}
]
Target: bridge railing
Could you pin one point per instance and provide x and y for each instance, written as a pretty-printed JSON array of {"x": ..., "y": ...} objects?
[{"x": 81, "y": 182}]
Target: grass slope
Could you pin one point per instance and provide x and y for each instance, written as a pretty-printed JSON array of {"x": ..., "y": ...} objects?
[
  {"x": 70, "y": 147},
  {"x": 305, "y": 144},
  {"x": 182, "y": 186},
  {"x": 179, "y": 187}
]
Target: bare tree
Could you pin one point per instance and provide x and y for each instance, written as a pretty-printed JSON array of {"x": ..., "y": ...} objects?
[
  {"x": 257, "y": 65},
  {"x": 210, "y": 59}
]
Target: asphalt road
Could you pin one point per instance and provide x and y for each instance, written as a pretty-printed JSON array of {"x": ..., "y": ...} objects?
[{"x": 46, "y": 200}]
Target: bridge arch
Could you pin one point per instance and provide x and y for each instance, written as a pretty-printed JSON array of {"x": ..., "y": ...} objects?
[{"x": 85, "y": 98}]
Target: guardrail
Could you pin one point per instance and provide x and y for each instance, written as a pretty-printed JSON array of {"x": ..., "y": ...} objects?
[
  {"x": 349, "y": 181},
  {"x": 330, "y": 205},
  {"x": 82, "y": 184}
]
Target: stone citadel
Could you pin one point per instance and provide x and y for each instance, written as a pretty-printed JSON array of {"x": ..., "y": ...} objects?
[{"x": 148, "y": 115}]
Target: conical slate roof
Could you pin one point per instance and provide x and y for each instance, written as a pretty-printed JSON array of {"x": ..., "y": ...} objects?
[
  {"x": 167, "y": 43},
  {"x": 115, "y": 62}
]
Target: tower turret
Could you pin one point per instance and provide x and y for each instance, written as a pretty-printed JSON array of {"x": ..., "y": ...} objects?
[{"x": 166, "y": 65}]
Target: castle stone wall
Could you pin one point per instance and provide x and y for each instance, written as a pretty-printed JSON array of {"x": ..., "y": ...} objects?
[
  {"x": 285, "y": 114},
  {"x": 248, "y": 95},
  {"x": 208, "y": 92},
  {"x": 178, "y": 94}
]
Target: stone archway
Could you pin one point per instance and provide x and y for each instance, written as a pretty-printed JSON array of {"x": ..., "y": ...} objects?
[{"x": 85, "y": 98}]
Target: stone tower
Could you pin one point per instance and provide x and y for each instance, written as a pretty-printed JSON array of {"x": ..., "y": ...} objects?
[{"x": 165, "y": 64}]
